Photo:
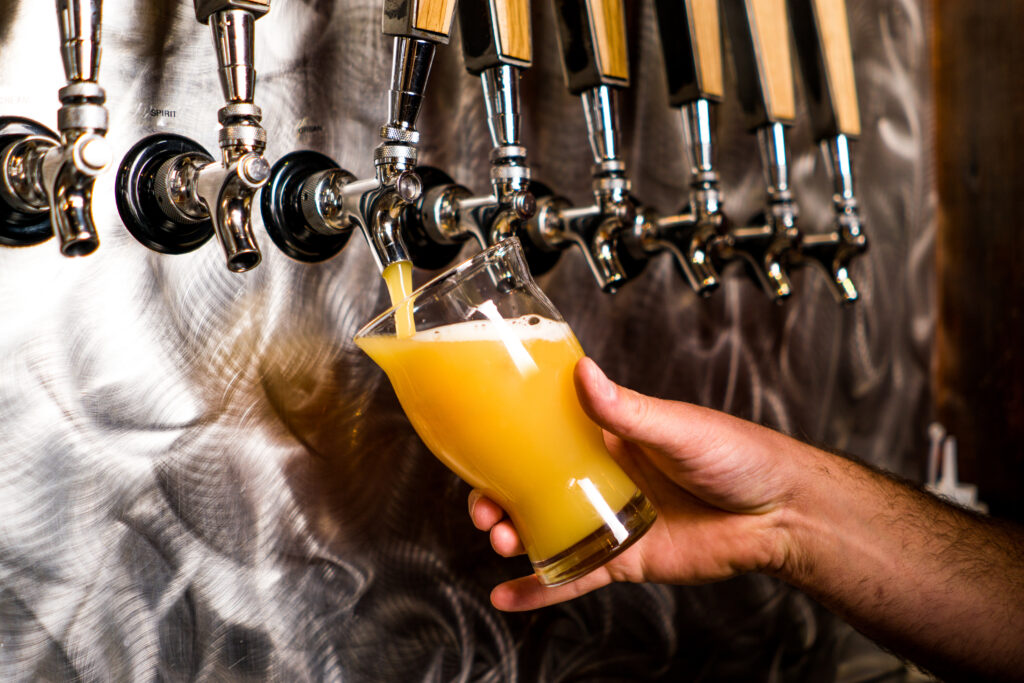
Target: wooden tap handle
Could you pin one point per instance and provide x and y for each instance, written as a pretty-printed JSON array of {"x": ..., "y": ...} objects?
[
  {"x": 691, "y": 42},
  {"x": 421, "y": 19},
  {"x": 495, "y": 32},
  {"x": 822, "y": 34},
  {"x": 759, "y": 35},
  {"x": 592, "y": 38}
]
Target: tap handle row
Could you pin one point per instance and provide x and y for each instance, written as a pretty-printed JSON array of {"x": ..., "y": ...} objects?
[{"x": 496, "y": 33}]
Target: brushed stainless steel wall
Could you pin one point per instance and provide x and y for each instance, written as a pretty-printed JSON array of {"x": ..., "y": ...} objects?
[{"x": 202, "y": 478}]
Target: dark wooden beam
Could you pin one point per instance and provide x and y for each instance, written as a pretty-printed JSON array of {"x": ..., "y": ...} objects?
[{"x": 979, "y": 100}]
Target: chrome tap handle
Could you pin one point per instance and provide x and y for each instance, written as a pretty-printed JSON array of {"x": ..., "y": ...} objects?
[
  {"x": 418, "y": 27},
  {"x": 826, "y": 63},
  {"x": 758, "y": 31}
]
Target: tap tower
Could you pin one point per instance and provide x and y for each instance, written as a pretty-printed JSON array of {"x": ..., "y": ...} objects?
[
  {"x": 759, "y": 33},
  {"x": 592, "y": 41},
  {"x": 497, "y": 46},
  {"x": 826, "y": 63},
  {"x": 172, "y": 195},
  {"x": 311, "y": 206},
  {"x": 46, "y": 179},
  {"x": 692, "y": 49}
]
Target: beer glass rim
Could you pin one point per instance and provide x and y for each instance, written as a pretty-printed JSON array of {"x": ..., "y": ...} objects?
[{"x": 461, "y": 270}]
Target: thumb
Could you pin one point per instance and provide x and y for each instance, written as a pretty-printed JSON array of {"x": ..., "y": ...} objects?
[{"x": 630, "y": 415}]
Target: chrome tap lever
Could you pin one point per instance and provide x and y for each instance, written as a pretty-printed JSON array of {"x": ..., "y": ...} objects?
[
  {"x": 592, "y": 40},
  {"x": 52, "y": 174},
  {"x": 692, "y": 50},
  {"x": 764, "y": 75},
  {"x": 826, "y": 64},
  {"x": 171, "y": 194}
]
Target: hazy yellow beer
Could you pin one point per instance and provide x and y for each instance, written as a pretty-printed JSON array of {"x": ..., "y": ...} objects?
[{"x": 493, "y": 398}]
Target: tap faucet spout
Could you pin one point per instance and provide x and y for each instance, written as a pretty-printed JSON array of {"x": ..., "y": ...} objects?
[
  {"x": 833, "y": 251},
  {"x": 771, "y": 246},
  {"x": 70, "y": 170},
  {"x": 690, "y": 235},
  {"x": 50, "y": 174},
  {"x": 227, "y": 192}
]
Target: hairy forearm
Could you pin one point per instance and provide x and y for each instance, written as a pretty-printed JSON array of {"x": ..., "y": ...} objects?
[{"x": 932, "y": 582}]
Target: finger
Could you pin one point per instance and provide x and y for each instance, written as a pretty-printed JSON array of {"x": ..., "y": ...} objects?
[
  {"x": 665, "y": 426},
  {"x": 484, "y": 512},
  {"x": 527, "y": 593},
  {"x": 505, "y": 540}
]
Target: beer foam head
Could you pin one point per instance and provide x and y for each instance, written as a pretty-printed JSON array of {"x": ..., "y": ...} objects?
[{"x": 527, "y": 327}]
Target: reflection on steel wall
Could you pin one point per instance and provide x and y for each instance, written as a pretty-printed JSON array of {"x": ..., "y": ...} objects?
[{"x": 203, "y": 478}]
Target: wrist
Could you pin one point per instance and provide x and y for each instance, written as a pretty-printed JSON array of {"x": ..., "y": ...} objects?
[{"x": 801, "y": 526}]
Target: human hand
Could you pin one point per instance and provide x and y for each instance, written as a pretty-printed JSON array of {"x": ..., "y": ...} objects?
[{"x": 720, "y": 485}]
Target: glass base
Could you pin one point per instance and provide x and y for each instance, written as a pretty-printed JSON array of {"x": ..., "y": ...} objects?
[{"x": 591, "y": 552}]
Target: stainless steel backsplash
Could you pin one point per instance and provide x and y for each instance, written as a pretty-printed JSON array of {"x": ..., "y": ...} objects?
[{"x": 202, "y": 478}]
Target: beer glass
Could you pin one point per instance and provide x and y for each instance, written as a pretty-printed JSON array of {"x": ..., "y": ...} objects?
[{"x": 486, "y": 379}]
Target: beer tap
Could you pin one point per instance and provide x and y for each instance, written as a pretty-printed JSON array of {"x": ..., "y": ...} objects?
[
  {"x": 826, "y": 63},
  {"x": 759, "y": 37},
  {"x": 692, "y": 49},
  {"x": 172, "y": 195},
  {"x": 592, "y": 40},
  {"x": 311, "y": 206},
  {"x": 47, "y": 179},
  {"x": 496, "y": 44}
]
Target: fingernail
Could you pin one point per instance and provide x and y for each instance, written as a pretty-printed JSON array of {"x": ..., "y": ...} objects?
[{"x": 473, "y": 498}]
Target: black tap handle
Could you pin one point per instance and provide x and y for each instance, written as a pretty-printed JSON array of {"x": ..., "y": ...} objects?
[
  {"x": 759, "y": 36},
  {"x": 207, "y": 8},
  {"x": 495, "y": 33},
  {"x": 691, "y": 43},
  {"x": 423, "y": 19},
  {"x": 592, "y": 39},
  {"x": 822, "y": 34}
]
